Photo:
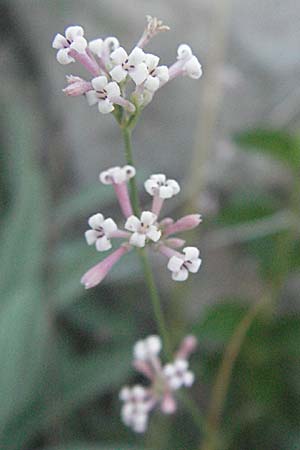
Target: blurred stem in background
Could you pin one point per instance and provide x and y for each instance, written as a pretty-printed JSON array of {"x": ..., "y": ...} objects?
[
  {"x": 274, "y": 284},
  {"x": 211, "y": 99}
]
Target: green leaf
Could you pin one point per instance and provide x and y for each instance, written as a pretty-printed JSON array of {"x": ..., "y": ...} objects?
[
  {"x": 220, "y": 322},
  {"x": 276, "y": 143},
  {"x": 23, "y": 233},
  {"x": 24, "y": 335}
]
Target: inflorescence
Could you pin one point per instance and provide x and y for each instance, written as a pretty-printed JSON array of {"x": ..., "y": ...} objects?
[
  {"x": 118, "y": 78},
  {"x": 146, "y": 230}
]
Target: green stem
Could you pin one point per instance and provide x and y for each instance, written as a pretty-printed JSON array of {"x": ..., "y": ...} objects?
[
  {"x": 129, "y": 159},
  {"x": 153, "y": 292},
  {"x": 154, "y": 295}
]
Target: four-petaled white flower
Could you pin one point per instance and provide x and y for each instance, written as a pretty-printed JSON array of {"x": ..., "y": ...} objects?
[
  {"x": 157, "y": 74},
  {"x": 181, "y": 265},
  {"x": 159, "y": 185},
  {"x": 137, "y": 404},
  {"x": 104, "y": 47},
  {"x": 73, "y": 40},
  {"x": 142, "y": 229},
  {"x": 117, "y": 175},
  {"x": 104, "y": 94},
  {"x": 178, "y": 375},
  {"x": 132, "y": 65},
  {"x": 147, "y": 348},
  {"x": 101, "y": 232},
  {"x": 190, "y": 63}
]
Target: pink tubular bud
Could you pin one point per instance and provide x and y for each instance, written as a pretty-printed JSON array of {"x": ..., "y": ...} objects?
[
  {"x": 168, "y": 252},
  {"x": 157, "y": 204},
  {"x": 122, "y": 194},
  {"x": 175, "y": 242},
  {"x": 77, "y": 86},
  {"x": 89, "y": 63},
  {"x": 97, "y": 273},
  {"x": 187, "y": 346},
  {"x": 168, "y": 404},
  {"x": 185, "y": 223}
]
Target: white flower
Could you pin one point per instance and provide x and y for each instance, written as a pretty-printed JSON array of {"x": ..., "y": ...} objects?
[
  {"x": 178, "y": 375},
  {"x": 157, "y": 74},
  {"x": 190, "y": 64},
  {"x": 148, "y": 348},
  {"x": 132, "y": 65},
  {"x": 101, "y": 232},
  {"x": 142, "y": 229},
  {"x": 104, "y": 94},
  {"x": 73, "y": 40},
  {"x": 137, "y": 404},
  {"x": 104, "y": 47},
  {"x": 181, "y": 265},
  {"x": 159, "y": 185},
  {"x": 117, "y": 175}
]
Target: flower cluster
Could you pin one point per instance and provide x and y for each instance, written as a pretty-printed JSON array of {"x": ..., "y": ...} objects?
[
  {"x": 145, "y": 230},
  {"x": 139, "y": 401},
  {"x": 112, "y": 68}
]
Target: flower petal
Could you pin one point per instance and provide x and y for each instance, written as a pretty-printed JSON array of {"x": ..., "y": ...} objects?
[
  {"x": 92, "y": 97},
  {"x": 90, "y": 236},
  {"x": 113, "y": 89},
  {"x": 118, "y": 74},
  {"x": 105, "y": 106},
  {"x": 153, "y": 233},
  {"x": 193, "y": 68},
  {"x": 148, "y": 218},
  {"x": 175, "y": 263},
  {"x": 109, "y": 226},
  {"x": 139, "y": 73},
  {"x": 165, "y": 192},
  {"x": 182, "y": 275},
  {"x": 73, "y": 32},
  {"x": 138, "y": 239},
  {"x": 63, "y": 57},
  {"x": 103, "y": 244},
  {"x": 132, "y": 223},
  {"x": 184, "y": 52},
  {"x": 137, "y": 56},
  {"x": 194, "y": 265},
  {"x": 151, "y": 61},
  {"x": 79, "y": 44},
  {"x": 59, "y": 42},
  {"x": 96, "y": 46},
  {"x": 162, "y": 72},
  {"x": 96, "y": 220},
  {"x": 152, "y": 83},
  {"x": 111, "y": 43},
  {"x": 119, "y": 56},
  {"x": 191, "y": 253},
  {"x": 99, "y": 83}
]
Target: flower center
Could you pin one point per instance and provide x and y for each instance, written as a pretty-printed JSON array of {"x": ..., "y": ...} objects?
[
  {"x": 126, "y": 66},
  {"x": 102, "y": 94}
]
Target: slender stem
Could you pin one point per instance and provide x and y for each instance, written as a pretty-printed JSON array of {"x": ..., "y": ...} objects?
[
  {"x": 129, "y": 159},
  {"x": 221, "y": 385},
  {"x": 154, "y": 295},
  {"x": 153, "y": 292}
]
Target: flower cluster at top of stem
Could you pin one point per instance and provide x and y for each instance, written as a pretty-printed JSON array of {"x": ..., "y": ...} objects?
[
  {"x": 139, "y": 401},
  {"x": 118, "y": 78},
  {"x": 146, "y": 230}
]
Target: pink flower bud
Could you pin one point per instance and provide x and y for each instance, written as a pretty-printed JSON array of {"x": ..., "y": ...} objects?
[
  {"x": 168, "y": 404},
  {"x": 97, "y": 273},
  {"x": 188, "y": 346},
  {"x": 185, "y": 223},
  {"x": 77, "y": 86}
]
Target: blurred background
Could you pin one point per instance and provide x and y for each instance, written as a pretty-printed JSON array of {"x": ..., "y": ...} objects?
[{"x": 231, "y": 140}]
